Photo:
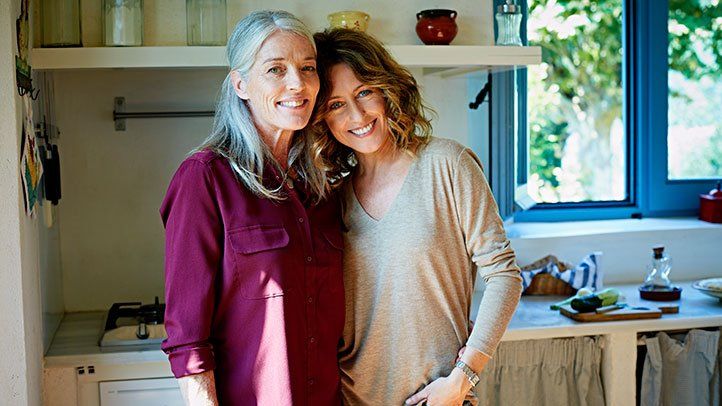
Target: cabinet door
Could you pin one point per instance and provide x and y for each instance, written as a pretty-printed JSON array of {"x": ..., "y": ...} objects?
[{"x": 141, "y": 392}]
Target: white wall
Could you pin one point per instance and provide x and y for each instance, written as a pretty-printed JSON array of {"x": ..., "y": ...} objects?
[
  {"x": 50, "y": 274},
  {"x": 448, "y": 99},
  {"x": 21, "y": 338},
  {"x": 31, "y": 303},
  {"x": 113, "y": 182},
  {"x": 48, "y": 238},
  {"x": 626, "y": 245}
]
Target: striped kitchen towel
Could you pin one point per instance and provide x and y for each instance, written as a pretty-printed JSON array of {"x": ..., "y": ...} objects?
[{"x": 586, "y": 273}]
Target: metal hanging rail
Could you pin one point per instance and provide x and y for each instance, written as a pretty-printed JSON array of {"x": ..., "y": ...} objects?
[{"x": 120, "y": 115}]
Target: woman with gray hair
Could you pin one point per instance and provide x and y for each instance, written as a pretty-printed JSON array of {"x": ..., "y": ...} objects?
[{"x": 254, "y": 287}]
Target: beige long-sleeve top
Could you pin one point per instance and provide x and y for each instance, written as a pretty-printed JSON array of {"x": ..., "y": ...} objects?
[{"x": 409, "y": 278}]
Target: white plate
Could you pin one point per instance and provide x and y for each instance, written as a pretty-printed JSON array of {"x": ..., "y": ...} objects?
[
  {"x": 707, "y": 291},
  {"x": 705, "y": 284}
]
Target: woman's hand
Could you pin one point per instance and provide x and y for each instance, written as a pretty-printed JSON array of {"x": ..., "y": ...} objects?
[
  {"x": 460, "y": 354},
  {"x": 452, "y": 390},
  {"x": 449, "y": 390},
  {"x": 199, "y": 389}
]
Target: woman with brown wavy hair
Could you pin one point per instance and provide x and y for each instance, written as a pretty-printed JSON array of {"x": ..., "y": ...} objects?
[{"x": 421, "y": 223}]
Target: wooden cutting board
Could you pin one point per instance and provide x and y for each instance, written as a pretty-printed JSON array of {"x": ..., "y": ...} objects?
[{"x": 627, "y": 313}]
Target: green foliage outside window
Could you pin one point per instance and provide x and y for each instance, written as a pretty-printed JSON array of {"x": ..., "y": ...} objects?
[
  {"x": 576, "y": 136},
  {"x": 695, "y": 89}
]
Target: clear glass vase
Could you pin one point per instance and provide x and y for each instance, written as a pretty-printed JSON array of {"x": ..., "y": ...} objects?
[
  {"x": 122, "y": 23},
  {"x": 206, "y": 22},
  {"x": 60, "y": 23}
]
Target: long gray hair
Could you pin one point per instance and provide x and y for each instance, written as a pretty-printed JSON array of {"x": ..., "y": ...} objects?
[{"x": 234, "y": 135}]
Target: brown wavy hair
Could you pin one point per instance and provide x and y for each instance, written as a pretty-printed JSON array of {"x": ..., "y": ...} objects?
[{"x": 373, "y": 65}]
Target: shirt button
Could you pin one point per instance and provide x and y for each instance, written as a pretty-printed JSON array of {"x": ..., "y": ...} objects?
[
  {"x": 312, "y": 340},
  {"x": 300, "y": 219},
  {"x": 310, "y": 299},
  {"x": 310, "y": 382},
  {"x": 309, "y": 259}
]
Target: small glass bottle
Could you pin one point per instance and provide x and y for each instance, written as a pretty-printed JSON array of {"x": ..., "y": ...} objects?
[
  {"x": 508, "y": 21},
  {"x": 61, "y": 23},
  {"x": 658, "y": 272},
  {"x": 122, "y": 23},
  {"x": 206, "y": 22}
]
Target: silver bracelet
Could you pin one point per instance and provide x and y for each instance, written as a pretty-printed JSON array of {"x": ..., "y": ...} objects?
[{"x": 470, "y": 375}]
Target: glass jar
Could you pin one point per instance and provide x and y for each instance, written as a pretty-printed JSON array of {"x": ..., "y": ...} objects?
[
  {"x": 206, "y": 22},
  {"x": 61, "y": 23},
  {"x": 508, "y": 21},
  {"x": 122, "y": 23},
  {"x": 658, "y": 272}
]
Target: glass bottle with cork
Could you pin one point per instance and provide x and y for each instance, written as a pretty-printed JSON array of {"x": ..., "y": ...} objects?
[{"x": 657, "y": 285}]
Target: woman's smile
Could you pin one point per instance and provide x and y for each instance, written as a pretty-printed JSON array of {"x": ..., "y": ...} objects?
[
  {"x": 293, "y": 104},
  {"x": 365, "y": 130}
]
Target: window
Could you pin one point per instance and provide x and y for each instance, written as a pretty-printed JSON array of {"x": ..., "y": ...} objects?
[
  {"x": 694, "y": 137},
  {"x": 599, "y": 137},
  {"x": 575, "y": 101}
]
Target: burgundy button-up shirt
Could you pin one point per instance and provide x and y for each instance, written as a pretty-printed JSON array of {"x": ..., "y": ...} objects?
[{"x": 254, "y": 287}]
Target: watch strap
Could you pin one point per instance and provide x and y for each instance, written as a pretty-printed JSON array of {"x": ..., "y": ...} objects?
[{"x": 470, "y": 374}]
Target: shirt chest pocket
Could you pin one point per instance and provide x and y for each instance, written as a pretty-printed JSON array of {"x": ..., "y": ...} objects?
[{"x": 262, "y": 260}]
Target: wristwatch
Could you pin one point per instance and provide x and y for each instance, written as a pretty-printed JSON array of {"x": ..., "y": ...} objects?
[{"x": 470, "y": 375}]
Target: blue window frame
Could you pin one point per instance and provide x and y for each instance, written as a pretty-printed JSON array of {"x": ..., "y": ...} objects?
[{"x": 649, "y": 191}]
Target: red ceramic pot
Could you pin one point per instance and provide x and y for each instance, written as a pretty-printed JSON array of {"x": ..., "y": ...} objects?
[
  {"x": 436, "y": 26},
  {"x": 710, "y": 205}
]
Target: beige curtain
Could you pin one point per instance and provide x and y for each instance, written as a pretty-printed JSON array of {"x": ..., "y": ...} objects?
[
  {"x": 681, "y": 370},
  {"x": 549, "y": 372}
]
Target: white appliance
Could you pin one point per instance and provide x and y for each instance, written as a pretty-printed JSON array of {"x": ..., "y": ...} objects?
[
  {"x": 138, "y": 375},
  {"x": 141, "y": 392}
]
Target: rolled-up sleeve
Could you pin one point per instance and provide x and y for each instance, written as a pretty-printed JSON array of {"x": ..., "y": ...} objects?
[{"x": 193, "y": 255}]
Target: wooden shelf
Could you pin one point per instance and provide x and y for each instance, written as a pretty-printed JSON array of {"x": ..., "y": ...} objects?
[
  {"x": 443, "y": 60},
  {"x": 127, "y": 57},
  {"x": 470, "y": 57}
]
